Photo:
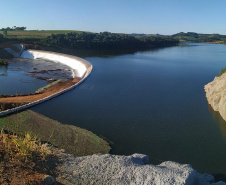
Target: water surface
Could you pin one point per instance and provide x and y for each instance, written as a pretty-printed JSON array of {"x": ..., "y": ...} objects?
[
  {"x": 14, "y": 79},
  {"x": 151, "y": 102},
  {"x": 23, "y": 76}
]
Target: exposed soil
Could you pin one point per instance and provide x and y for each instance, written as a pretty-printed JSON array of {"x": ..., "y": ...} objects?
[
  {"x": 11, "y": 102},
  {"x": 16, "y": 171}
]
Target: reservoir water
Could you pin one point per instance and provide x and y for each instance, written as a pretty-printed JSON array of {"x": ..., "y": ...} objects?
[
  {"x": 151, "y": 102},
  {"x": 23, "y": 76},
  {"x": 14, "y": 79}
]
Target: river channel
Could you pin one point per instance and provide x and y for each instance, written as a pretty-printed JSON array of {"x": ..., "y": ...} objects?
[{"x": 151, "y": 102}]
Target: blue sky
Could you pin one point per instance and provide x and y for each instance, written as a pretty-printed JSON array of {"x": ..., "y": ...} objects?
[{"x": 120, "y": 16}]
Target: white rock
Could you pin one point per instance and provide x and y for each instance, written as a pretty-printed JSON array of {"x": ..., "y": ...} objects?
[
  {"x": 128, "y": 170},
  {"x": 216, "y": 94}
]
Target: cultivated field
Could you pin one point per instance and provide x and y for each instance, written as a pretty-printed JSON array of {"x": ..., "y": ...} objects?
[{"x": 35, "y": 34}]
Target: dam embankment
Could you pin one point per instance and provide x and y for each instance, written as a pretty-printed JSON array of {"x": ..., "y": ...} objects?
[{"x": 80, "y": 69}]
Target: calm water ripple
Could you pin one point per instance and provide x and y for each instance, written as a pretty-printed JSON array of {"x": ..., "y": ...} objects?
[{"x": 152, "y": 102}]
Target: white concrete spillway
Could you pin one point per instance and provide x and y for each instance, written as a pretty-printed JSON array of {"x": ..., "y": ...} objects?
[{"x": 80, "y": 68}]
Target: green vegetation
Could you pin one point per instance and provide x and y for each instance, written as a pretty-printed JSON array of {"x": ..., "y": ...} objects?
[
  {"x": 34, "y": 34},
  {"x": 14, "y": 28},
  {"x": 24, "y": 147},
  {"x": 24, "y": 159},
  {"x": 73, "y": 139},
  {"x": 198, "y": 37},
  {"x": 5, "y": 30},
  {"x": 105, "y": 40},
  {"x": 222, "y": 71},
  {"x": 69, "y": 39},
  {"x": 3, "y": 62}
]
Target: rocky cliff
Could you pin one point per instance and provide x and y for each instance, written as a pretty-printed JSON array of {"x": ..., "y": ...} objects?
[{"x": 216, "y": 94}]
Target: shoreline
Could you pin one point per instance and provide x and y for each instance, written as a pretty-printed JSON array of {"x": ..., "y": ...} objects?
[
  {"x": 81, "y": 70},
  {"x": 215, "y": 94}
]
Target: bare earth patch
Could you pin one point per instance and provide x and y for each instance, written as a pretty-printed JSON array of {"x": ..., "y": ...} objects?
[
  {"x": 11, "y": 102},
  {"x": 15, "y": 169}
]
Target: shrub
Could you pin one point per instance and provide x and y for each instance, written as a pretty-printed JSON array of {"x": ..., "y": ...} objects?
[
  {"x": 222, "y": 71},
  {"x": 4, "y": 62},
  {"x": 23, "y": 147}
]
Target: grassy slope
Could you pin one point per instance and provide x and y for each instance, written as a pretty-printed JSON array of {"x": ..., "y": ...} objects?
[{"x": 73, "y": 139}]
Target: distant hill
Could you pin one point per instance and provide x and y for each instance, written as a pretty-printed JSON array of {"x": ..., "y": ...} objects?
[
  {"x": 200, "y": 37},
  {"x": 106, "y": 40}
]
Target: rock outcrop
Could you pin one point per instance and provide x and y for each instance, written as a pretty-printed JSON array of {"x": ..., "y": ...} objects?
[
  {"x": 125, "y": 170},
  {"x": 216, "y": 94}
]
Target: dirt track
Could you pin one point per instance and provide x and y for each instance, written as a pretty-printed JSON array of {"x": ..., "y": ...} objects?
[{"x": 31, "y": 98}]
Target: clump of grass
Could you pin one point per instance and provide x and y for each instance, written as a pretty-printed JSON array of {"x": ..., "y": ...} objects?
[
  {"x": 25, "y": 147},
  {"x": 222, "y": 71},
  {"x": 4, "y": 62}
]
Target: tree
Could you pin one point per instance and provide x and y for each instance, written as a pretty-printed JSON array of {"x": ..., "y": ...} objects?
[
  {"x": 5, "y": 32},
  {"x": 20, "y": 28}
]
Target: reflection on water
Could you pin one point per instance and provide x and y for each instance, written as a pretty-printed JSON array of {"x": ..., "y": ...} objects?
[
  {"x": 151, "y": 102},
  {"x": 14, "y": 79},
  {"x": 23, "y": 76},
  {"x": 219, "y": 121},
  {"x": 103, "y": 53},
  {"x": 3, "y": 70}
]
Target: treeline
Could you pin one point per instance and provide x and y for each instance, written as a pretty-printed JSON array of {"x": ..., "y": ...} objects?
[
  {"x": 199, "y": 37},
  {"x": 14, "y": 28},
  {"x": 105, "y": 40}
]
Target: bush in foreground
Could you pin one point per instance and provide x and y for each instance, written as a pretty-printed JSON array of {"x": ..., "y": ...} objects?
[
  {"x": 21, "y": 147},
  {"x": 23, "y": 160}
]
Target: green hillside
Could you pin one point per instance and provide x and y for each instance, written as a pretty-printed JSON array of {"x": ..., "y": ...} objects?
[{"x": 200, "y": 37}]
